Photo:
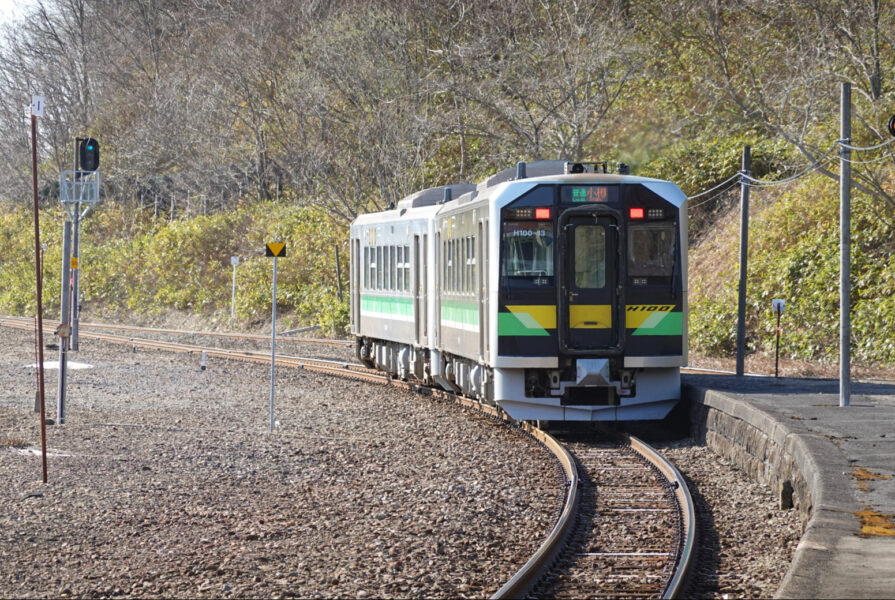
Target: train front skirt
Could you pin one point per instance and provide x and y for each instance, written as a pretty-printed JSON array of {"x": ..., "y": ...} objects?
[{"x": 658, "y": 390}]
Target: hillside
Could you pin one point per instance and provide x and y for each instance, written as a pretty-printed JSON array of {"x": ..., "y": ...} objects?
[{"x": 225, "y": 123}]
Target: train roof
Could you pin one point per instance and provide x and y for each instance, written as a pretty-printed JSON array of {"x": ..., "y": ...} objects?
[{"x": 543, "y": 170}]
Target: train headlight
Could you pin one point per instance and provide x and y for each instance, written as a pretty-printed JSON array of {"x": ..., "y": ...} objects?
[
  {"x": 542, "y": 213},
  {"x": 636, "y": 213}
]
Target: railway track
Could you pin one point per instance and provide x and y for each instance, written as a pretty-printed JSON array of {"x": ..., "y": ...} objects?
[
  {"x": 635, "y": 533},
  {"x": 573, "y": 560}
]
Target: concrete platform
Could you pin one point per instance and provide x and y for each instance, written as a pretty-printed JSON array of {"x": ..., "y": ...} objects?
[{"x": 836, "y": 465}]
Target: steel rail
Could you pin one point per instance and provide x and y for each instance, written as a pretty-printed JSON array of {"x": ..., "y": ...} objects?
[
  {"x": 21, "y": 322},
  {"x": 675, "y": 586},
  {"x": 521, "y": 584},
  {"x": 219, "y": 334}
]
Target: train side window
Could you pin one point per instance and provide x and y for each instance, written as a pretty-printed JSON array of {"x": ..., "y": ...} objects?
[
  {"x": 384, "y": 268},
  {"x": 393, "y": 276},
  {"x": 447, "y": 266},
  {"x": 651, "y": 251},
  {"x": 454, "y": 266},
  {"x": 366, "y": 268},
  {"x": 372, "y": 268},
  {"x": 472, "y": 266},
  {"x": 406, "y": 266},
  {"x": 463, "y": 265},
  {"x": 400, "y": 268},
  {"x": 590, "y": 256},
  {"x": 379, "y": 268}
]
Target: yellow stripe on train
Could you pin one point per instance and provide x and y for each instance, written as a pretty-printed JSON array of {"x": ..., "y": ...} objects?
[{"x": 637, "y": 314}]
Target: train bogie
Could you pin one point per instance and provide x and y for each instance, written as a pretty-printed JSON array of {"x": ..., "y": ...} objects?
[{"x": 556, "y": 296}]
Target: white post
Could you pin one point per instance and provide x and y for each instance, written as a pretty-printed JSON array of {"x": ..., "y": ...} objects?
[
  {"x": 273, "y": 340},
  {"x": 234, "y": 260}
]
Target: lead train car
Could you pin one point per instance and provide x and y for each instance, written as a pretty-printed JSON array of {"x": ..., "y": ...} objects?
[{"x": 553, "y": 290}]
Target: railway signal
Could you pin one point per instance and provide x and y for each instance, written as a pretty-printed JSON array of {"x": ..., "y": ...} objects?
[
  {"x": 88, "y": 154},
  {"x": 891, "y": 125}
]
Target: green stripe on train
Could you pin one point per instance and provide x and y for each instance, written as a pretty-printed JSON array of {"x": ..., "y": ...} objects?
[
  {"x": 466, "y": 313},
  {"x": 387, "y": 305},
  {"x": 671, "y": 323},
  {"x": 519, "y": 325}
]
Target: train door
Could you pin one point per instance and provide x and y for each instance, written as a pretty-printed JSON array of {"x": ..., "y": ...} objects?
[
  {"x": 591, "y": 297},
  {"x": 356, "y": 278},
  {"x": 419, "y": 290},
  {"x": 437, "y": 273},
  {"x": 481, "y": 285}
]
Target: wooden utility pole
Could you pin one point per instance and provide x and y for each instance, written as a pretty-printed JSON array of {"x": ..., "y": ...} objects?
[{"x": 37, "y": 109}]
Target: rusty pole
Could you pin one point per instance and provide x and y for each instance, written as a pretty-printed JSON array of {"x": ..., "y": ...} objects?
[{"x": 40, "y": 322}]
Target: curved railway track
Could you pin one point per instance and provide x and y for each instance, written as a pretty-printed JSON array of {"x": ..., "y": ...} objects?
[
  {"x": 573, "y": 560},
  {"x": 635, "y": 532}
]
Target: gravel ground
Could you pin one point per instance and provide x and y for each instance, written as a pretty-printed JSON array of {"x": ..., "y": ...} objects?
[
  {"x": 746, "y": 541},
  {"x": 362, "y": 492},
  {"x": 164, "y": 481}
]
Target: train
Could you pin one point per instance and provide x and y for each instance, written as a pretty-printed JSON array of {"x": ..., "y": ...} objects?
[{"x": 554, "y": 289}]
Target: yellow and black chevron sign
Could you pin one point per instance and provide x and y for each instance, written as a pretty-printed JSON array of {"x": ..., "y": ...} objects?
[{"x": 277, "y": 250}]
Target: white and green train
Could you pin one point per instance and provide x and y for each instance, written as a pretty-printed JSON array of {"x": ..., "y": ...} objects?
[{"x": 555, "y": 290}]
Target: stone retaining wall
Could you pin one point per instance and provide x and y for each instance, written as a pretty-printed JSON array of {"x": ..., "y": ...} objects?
[{"x": 759, "y": 446}]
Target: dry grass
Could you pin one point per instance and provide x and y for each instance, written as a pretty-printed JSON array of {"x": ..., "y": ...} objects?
[
  {"x": 13, "y": 442},
  {"x": 763, "y": 364}
]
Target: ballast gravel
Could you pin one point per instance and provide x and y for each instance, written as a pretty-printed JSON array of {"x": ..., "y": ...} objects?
[{"x": 164, "y": 481}]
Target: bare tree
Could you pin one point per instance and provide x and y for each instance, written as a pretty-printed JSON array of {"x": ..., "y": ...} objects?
[
  {"x": 776, "y": 65},
  {"x": 544, "y": 75}
]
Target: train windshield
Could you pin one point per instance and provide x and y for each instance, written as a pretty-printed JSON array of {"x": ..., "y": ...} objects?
[
  {"x": 528, "y": 251},
  {"x": 651, "y": 252}
]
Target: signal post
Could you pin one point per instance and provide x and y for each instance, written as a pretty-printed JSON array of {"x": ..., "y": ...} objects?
[{"x": 76, "y": 188}]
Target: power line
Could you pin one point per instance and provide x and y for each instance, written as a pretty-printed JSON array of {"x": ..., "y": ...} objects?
[
  {"x": 710, "y": 199},
  {"x": 755, "y": 182},
  {"x": 772, "y": 182},
  {"x": 709, "y": 191},
  {"x": 863, "y": 148}
]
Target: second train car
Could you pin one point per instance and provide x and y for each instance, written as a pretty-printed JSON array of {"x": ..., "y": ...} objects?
[{"x": 555, "y": 290}]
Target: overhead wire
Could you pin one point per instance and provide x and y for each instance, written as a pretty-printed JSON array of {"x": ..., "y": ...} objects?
[
  {"x": 864, "y": 148},
  {"x": 709, "y": 191},
  {"x": 758, "y": 183},
  {"x": 732, "y": 185}
]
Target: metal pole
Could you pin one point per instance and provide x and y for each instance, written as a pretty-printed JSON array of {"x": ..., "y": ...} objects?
[
  {"x": 234, "y": 260},
  {"x": 273, "y": 339},
  {"x": 339, "y": 273},
  {"x": 845, "y": 248},
  {"x": 744, "y": 252},
  {"x": 64, "y": 320},
  {"x": 777, "y": 347},
  {"x": 40, "y": 318},
  {"x": 75, "y": 276}
]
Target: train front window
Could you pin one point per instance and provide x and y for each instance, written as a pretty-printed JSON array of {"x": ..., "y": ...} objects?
[
  {"x": 651, "y": 253},
  {"x": 528, "y": 251}
]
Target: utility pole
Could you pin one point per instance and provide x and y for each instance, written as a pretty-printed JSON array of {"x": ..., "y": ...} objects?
[
  {"x": 845, "y": 247},
  {"x": 744, "y": 252},
  {"x": 37, "y": 110}
]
